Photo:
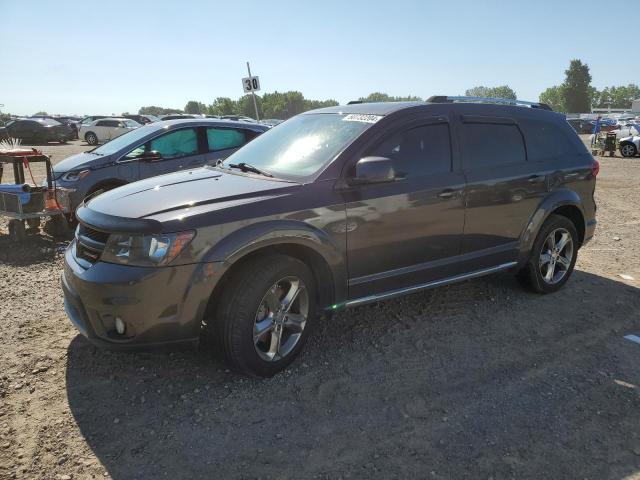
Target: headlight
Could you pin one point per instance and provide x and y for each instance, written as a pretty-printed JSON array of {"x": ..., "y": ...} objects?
[
  {"x": 75, "y": 175},
  {"x": 145, "y": 250}
]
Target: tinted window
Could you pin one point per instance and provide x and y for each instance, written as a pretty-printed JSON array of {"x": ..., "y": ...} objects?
[
  {"x": 487, "y": 145},
  {"x": 418, "y": 151},
  {"x": 223, "y": 138},
  {"x": 545, "y": 140},
  {"x": 176, "y": 144}
]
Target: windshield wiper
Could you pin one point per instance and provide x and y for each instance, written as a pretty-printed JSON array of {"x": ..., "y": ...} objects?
[{"x": 246, "y": 167}]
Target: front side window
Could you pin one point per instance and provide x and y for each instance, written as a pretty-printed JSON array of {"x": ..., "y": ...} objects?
[
  {"x": 179, "y": 143},
  {"x": 303, "y": 145},
  {"x": 488, "y": 145},
  {"x": 224, "y": 138},
  {"x": 417, "y": 151}
]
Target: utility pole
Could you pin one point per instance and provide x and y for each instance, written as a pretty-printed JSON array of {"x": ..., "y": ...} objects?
[{"x": 253, "y": 94}]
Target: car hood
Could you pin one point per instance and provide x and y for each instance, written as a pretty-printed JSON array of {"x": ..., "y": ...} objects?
[
  {"x": 79, "y": 161},
  {"x": 187, "y": 192}
]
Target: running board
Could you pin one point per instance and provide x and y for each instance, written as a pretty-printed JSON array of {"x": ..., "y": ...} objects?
[{"x": 436, "y": 283}]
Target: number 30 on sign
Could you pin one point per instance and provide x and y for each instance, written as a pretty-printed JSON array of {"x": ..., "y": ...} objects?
[{"x": 251, "y": 84}]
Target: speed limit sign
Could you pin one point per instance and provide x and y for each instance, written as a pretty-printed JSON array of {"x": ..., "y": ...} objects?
[{"x": 251, "y": 84}]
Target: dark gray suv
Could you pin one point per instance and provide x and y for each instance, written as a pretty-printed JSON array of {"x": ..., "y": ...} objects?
[{"x": 331, "y": 209}]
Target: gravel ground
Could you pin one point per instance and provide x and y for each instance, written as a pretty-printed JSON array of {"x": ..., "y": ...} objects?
[{"x": 477, "y": 380}]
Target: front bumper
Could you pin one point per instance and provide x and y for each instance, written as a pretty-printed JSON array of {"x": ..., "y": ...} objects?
[{"x": 160, "y": 306}]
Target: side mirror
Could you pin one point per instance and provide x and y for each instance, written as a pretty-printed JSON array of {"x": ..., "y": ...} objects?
[
  {"x": 152, "y": 156},
  {"x": 373, "y": 170}
]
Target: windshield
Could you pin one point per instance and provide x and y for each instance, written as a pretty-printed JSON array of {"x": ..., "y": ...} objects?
[
  {"x": 128, "y": 139},
  {"x": 302, "y": 145}
]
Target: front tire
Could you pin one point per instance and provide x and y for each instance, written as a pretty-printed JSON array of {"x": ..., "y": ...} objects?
[
  {"x": 553, "y": 256},
  {"x": 91, "y": 138},
  {"x": 264, "y": 313}
]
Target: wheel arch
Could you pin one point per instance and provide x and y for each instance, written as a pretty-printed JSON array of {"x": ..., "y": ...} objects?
[
  {"x": 107, "y": 182},
  {"x": 296, "y": 239},
  {"x": 564, "y": 202}
]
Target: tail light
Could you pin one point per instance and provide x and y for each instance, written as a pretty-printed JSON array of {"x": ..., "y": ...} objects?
[{"x": 595, "y": 168}]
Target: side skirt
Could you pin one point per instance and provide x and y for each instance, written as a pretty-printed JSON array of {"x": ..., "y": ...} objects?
[{"x": 436, "y": 283}]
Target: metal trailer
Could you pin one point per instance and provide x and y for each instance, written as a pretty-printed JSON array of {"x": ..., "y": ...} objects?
[{"x": 26, "y": 204}]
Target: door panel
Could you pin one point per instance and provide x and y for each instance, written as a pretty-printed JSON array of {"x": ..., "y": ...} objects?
[
  {"x": 503, "y": 189},
  {"x": 403, "y": 232}
]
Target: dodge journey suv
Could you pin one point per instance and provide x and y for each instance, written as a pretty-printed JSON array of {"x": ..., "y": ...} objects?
[{"x": 331, "y": 209}]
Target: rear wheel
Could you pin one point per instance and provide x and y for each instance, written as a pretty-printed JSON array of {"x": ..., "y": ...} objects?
[
  {"x": 553, "y": 256},
  {"x": 628, "y": 150},
  {"x": 91, "y": 138},
  {"x": 263, "y": 315}
]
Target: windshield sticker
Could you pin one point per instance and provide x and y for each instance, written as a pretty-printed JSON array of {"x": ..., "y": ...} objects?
[{"x": 358, "y": 117}]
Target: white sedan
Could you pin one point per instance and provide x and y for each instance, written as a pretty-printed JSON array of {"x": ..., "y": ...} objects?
[
  {"x": 626, "y": 130},
  {"x": 630, "y": 146},
  {"x": 105, "y": 129}
]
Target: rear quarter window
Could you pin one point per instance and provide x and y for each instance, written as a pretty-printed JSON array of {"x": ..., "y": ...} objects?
[
  {"x": 488, "y": 145},
  {"x": 546, "y": 140}
]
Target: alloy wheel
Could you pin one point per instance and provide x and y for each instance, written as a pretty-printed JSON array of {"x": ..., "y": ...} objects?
[
  {"x": 280, "y": 319},
  {"x": 556, "y": 256},
  {"x": 627, "y": 150}
]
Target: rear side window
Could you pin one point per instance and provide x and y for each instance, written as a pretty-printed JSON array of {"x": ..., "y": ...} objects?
[
  {"x": 545, "y": 140},
  {"x": 224, "y": 138},
  {"x": 417, "y": 151},
  {"x": 489, "y": 145},
  {"x": 107, "y": 123},
  {"x": 176, "y": 144}
]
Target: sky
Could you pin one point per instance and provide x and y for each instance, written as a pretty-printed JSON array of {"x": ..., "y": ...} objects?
[{"x": 80, "y": 57}]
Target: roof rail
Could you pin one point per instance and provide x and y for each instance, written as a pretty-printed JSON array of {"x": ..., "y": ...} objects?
[{"x": 501, "y": 101}]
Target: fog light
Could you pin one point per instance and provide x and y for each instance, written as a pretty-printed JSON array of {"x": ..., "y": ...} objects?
[{"x": 120, "y": 326}]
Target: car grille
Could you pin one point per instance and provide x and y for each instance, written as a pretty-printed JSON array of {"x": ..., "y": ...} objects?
[{"x": 90, "y": 243}]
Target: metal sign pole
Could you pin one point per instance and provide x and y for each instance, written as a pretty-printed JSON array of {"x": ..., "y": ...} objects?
[{"x": 255, "y": 104}]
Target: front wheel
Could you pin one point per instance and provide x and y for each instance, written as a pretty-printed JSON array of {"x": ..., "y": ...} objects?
[
  {"x": 263, "y": 315},
  {"x": 553, "y": 256}
]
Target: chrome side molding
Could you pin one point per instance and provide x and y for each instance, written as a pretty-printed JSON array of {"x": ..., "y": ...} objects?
[{"x": 436, "y": 283}]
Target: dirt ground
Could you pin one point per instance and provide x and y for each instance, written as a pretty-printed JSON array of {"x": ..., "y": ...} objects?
[{"x": 478, "y": 380}]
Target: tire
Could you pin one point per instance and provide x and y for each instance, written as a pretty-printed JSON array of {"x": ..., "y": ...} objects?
[
  {"x": 91, "y": 138},
  {"x": 536, "y": 272},
  {"x": 628, "y": 150},
  {"x": 248, "y": 320}
]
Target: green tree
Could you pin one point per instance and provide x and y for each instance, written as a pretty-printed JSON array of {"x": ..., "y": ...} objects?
[
  {"x": 383, "y": 97},
  {"x": 41, "y": 113},
  {"x": 153, "y": 110},
  {"x": 244, "y": 106},
  {"x": 577, "y": 90},
  {"x": 195, "y": 108},
  {"x": 554, "y": 97},
  {"x": 222, "y": 106},
  {"x": 503, "y": 91},
  {"x": 616, "y": 97}
]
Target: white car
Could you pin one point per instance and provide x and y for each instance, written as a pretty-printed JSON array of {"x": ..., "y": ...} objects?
[
  {"x": 626, "y": 130},
  {"x": 105, "y": 129},
  {"x": 630, "y": 146}
]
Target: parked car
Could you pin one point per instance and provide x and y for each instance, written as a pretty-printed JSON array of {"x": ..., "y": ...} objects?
[
  {"x": 39, "y": 130},
  {"x": 626, "y": 130},
  {"x": 177, "y": 116},
  {"x": 630, "y": 146},
  {"x": 65, "y": 120},
  {"x": 580, "y": 125},
  {"x": 442, "y": 192},
  {"x": 154, "y": 149},
  {"x": 105, "y": 129},
  {"x": 142, "y": 119},
  {"x": 91, "y": 118}
]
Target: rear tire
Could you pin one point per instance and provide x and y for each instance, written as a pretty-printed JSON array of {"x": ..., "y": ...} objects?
[
  {"x": 252, "y": 327},
  {"x": 91, "y": 138},
  {"x": 552, "y": 257}
]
